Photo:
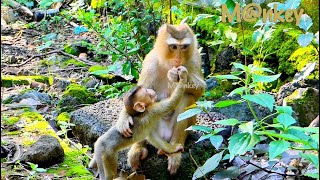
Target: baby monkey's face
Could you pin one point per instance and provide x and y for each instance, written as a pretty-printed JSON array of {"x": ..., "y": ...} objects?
[{"x": 146, "y": 96}]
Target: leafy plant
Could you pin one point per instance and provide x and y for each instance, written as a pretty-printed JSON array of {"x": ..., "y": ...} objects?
[
  {"x": 35, "y": 169},
  {"x": 282, "y": 135},
  {"x": 65, "y": 127}
]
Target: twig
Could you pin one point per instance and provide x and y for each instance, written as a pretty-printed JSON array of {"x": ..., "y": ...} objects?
[
  {"x": 197, "y": 164},
  {"x": 78, "y": 59},
  {"x": 32, "y": 57},
  {"x": 268, "y": 171},
  {"x": 17, "y": 155},
  {"x": 75, "y": 145}
]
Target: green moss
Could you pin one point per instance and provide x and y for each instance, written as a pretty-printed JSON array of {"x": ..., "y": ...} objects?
[
  {"x": 73, "y": 165},
  {"x": 13, "y": 133},
  {"x": 9, "y": 81},
  {"x": 302, "y": 57},
  {"x": 10, "y": 120},
  {"x": 65, "y": 117},
  {"x": 73, "y": 62},
  {"x": 96, "y": 68}
]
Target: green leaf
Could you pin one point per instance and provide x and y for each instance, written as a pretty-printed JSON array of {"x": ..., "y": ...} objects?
[
  {"x": 247, "y": 127},
  {"x": 228, "y": 122},
  {"x": 262, "y": 69},
  {"x": 226, "y": 103},
  {"x": 217, "y": 130},
  {"x": 292, "y": 4},
  {"x": 262, "y": 78},
  {"x": 305, "y": 22},
  {"x": 241, "y": 143},
  {"x": 314, "y": 159},
  {"x": 216, "y": 141},
  {"x": 208, "y": 166},
  {"x": 237, "y": 91},
  {"x": 284, "y": 109},
  {"x": 216, "y": 42},
  {"x": 288, "y": 137},
  {"x": 286, "y": 120},
  {"x": 306, "y": 129},
  {"x": 277, "y": 148},
  {"x": 315, "y": 137},
  {"x": 257, "y": 35},
  {"x": 205, "y": 104},
  {"x": 200, "y": 128},
  {"x": 305, "y": 39},
  {"x": 313, "y": 175},
  {"x": 241, "y": 66},
  {"x": 45, "y": 46},
  {"x": 231, "y": 35},
  {"x": 189, "y": 113},
  {"x": 206, "y": 136},
  {"x": 226, "y": 77},
  {"x": 41, "y": 170},
  {"x": 199, "y": 17},
  {"x": 100, "y": 72},
  {"x": 262, "y": 99}
]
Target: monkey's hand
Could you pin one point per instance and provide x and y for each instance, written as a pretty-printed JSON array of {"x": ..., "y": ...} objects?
[
  {"x": 173, "y": 75},
  {"x": 174, "y": 161},
  {"x": 183, "y": 74},
  {"x": 123, "y": 124}
]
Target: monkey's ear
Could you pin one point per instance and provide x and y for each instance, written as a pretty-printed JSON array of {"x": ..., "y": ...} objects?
[{"x": 139, "y": 107}]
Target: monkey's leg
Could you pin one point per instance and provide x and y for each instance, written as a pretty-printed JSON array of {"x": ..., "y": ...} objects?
[
  {"x": 137, "y": 152},
  {"x": 179, "y": 134},
  {"x": 110, "y": 164}
]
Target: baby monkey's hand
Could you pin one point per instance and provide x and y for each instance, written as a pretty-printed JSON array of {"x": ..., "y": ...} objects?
[{"x": 183, "y": 74}]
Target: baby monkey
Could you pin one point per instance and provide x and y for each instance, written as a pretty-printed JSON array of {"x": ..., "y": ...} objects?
[{"x": 141, "y": 104}]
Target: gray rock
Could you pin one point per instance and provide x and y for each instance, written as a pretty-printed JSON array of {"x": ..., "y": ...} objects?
[
  {"x": 91, "y": 82},
  {"x": 61, "y": 83},
  {"x": 92, "y": 121},
  {"x": 211, "y": 83},
  {"x": 45, "y": 152},
  {"x": 290, "y": 87},
  {"x": 241, "y": 111},
  {"x": 225, "y": 58},
  {"x": 32, "y": 94}
]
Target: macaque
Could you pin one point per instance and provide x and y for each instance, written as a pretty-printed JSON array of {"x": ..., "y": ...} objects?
[
  {"x": 176, "y": 45},
  {"x": 140, "y": 103}
]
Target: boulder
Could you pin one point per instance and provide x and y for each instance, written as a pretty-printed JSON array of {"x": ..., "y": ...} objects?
[
  {"x": 92, "y": 121},
  {"x": 305, "y": 104},
  {"x": 45, "y": 152}
]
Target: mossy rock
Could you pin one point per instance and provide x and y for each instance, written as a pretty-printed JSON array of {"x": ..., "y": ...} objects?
[
  {"x": 100, "y": 71},
  {"x": 305, "y": 103},
  {"x": 311, "y": 7},
  {"x": 9, "y": 81},
  {"x": 63, "y": 117},
  {"x": 76, "y": 94}
]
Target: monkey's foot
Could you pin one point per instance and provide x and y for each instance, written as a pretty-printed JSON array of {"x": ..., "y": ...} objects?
[
  {"x": 135, "y": 155},
  {"x": 174, "y": 161}
]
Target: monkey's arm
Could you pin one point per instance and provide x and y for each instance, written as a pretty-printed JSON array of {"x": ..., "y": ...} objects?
[
  {"x": 159, "y": 143},
  {"x": 124, "y": 122},
  {"x": 168, "y": 104}
]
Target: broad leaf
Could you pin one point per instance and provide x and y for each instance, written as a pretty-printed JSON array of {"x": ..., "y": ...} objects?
[
  {"x": 306, "y": 129},
  {"x": 200, "y": 128},
  {"x": 305, "y": 39},
  {"x": 305, "y": 22},
  {"x": 231, "y": 35},
  {"x": 288, "y": 137},
  {"x": 262, "y": 99},
  {"x": 277, "y": 148},
  {"x": 286, "y": 120},
  {"x": 292, "y": 4},
  {"x": 189, "y": 113},
  {"x": 217, "y": 42},
  {"x": 226, "y": 103},
  {"x": 208, "y": 166},
  {"x": 199, "y": 17},
  {"x": 206, "y": 136},
  {"x": 228, "y": 122},
  {"x": 313, "y": 175},
  {"x": 257, "y": 35},
  {"x": 247, "y": 127},
  {"x": 241, "y": 66},
  {"x": 284, "y": 109},
  {"x": 315, "y": 137},
  {"x": 217, "y": 130},
  {"x": 262, "y": 69},
  {"x": 241, "y": 143},
  {"x": 263, "y": 78},
  {"x": 314, "y": 159},
  {"x": 216, "y": 141},
  {"x": 205, "y": 104},
  {"x": 237, "y": 91},
  {"x": 226, "y": 77}
]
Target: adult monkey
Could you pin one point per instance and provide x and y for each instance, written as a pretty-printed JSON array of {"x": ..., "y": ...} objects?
[{"x": 176, "y": 45}]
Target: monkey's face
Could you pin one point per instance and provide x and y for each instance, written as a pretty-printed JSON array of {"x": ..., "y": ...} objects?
[
  {"x": 179, "y": 41},
  {"x": 146, "y": 96}
]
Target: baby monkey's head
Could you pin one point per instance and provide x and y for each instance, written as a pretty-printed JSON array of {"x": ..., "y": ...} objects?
[{"x": 137, "y": 100}]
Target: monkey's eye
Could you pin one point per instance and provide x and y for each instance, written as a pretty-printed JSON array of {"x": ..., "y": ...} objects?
[
  {"x": 173, "y": 46},
  {"x": 185, "y": 46}
]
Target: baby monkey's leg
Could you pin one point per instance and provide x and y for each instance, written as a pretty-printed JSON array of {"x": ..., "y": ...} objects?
[{"x": 163, "y": 145}]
